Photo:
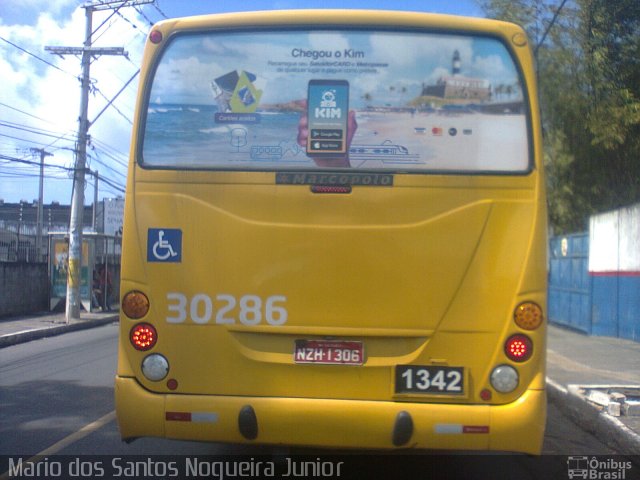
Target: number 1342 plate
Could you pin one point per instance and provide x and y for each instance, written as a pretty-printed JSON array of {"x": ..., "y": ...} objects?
[
  {"x": 329, "y": 352},
  {"x": 429, "y": 379}
]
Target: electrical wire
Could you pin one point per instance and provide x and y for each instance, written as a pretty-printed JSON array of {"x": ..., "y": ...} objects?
[
  {"x": 106, "y": 180},
  {"x": 26, "y": 113},
  {"x": 103, "y": 147},
  {"x": 27, "y": 141},
  {"x": 37, "y": 57},
  {"x": 34, "y": 130},
  {"x": 133, "y": 25},
  {"x": 97, "y": 160},
  {"x": 111, "y": 152},
  {"x": 101, "y": 25},
  {"x": 139, "y": 10},
  {"x": 155, "y": 4},
  {"x": 113, "y": 105},
  {"x": 32, "y": 162}
]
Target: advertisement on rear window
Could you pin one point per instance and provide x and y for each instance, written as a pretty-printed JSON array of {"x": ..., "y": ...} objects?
[{"x": 394, "y": 101}]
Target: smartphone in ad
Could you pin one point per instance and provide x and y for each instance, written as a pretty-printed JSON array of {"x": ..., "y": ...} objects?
[{"x": 327, "y": 113}]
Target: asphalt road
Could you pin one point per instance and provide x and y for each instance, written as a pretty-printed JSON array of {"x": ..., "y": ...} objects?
[{"x": 56, "y": 397}]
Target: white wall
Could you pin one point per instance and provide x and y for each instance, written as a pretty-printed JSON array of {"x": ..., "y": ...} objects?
[{"x": 614, "y": 241}]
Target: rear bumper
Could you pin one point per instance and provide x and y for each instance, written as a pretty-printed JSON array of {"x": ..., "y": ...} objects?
[{"x": 517, "y": 427}]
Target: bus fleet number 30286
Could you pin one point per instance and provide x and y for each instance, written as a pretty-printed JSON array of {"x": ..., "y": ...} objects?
[{"x": 228, "y": 309}]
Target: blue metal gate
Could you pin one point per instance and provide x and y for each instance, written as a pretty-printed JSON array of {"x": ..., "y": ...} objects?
[{"x": 570, "y": 285}]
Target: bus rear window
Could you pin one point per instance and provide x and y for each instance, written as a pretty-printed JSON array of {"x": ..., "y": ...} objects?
[{"x": 357, "y": 99}]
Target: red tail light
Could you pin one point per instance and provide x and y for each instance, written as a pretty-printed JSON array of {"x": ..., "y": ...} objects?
[
  {"x": 518, "y": 348},
  {"x": 155, "y": 36},
  {"x": 330, "y": 189},
  {"x": 143, "y": 336}
]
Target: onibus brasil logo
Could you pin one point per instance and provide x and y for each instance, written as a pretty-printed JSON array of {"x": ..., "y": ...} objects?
[{"x": 596, "y": 468}]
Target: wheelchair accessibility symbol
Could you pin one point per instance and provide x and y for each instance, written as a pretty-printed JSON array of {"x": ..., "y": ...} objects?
[{"x": 164, "y": 245}]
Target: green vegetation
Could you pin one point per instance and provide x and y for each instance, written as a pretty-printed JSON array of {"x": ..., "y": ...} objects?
[{"x": 589, "y": 80}]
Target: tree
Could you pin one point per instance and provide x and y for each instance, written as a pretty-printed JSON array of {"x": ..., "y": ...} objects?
[{"x": 589, "y": 82}]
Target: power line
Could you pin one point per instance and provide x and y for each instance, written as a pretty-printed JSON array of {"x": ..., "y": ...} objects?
[
  {"x": 155, "y": 4},
  {"x": 110, "y": 151},
  {"x": 34, "y": 130},
  {"x": 30, "y": 129},
  {"x": 29, "y": 141},
  {"x": 55, "y": 134},
  {"x": 122, "y": 163},
  {"x": 119, "y": 173},
  {"x": 107, "y": 180},
  {"x": 31, "y": 162},
  {"x": 97, "y": 159},
  {"x": 104, "y": 32},
  {"x": 48, "y": 145},
  {"x": 139, "y": 10},
  {"x": 105, "y": 21},
  {"x": 107, "y": 188},
  {"x": 114, "y": 107},
  {"x": 26, "y": 113},
  {"x": 52, "y": 133},
  {"x": 31, "y": 175},
  {"x": 111, "y": 102},
  {"x": 133, "y": 25},
  {"x": 35, "y": 56},
  {"x": 546, "y": 32},
  {"x": 61, "y": 137}
]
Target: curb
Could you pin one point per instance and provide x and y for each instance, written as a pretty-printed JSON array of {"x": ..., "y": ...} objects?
[
  {"x": 608, "y": 429},
  {"x": 29, "y": 335}
]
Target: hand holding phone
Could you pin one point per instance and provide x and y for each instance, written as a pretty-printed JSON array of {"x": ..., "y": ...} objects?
[{"x": 327, "y": 117}]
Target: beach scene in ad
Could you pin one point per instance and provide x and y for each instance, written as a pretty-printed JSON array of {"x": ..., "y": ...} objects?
[{"x": 342, "y": 99}]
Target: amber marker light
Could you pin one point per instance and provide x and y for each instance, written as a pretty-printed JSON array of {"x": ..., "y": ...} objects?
[
  {"x": 135, "y": 304},
  {"x": 528, "y": 316},
  {"x": 143, "y": 336}
]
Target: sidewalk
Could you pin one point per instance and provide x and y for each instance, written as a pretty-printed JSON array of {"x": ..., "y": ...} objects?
[
  {"x": 20, "y": 329},
  {"x": 585, "y": 375}
]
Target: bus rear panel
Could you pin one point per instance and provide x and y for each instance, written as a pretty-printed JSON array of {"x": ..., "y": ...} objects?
[{"x": 335, "y": 234}]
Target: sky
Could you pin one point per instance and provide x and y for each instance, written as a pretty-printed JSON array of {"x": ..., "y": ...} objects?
[{"x": 40, "y": 92}]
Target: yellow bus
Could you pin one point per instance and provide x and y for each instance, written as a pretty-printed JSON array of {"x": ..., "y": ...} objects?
[{"x": 335, "y": 234}]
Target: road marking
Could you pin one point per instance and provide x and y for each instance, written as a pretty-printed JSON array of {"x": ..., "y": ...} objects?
[{"x": 68, "y": 440}]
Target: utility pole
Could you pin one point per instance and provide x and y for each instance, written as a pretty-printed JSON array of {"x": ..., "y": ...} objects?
[
  {"x": 40, "y": 218},
  {"x": 73, "y": 300},
  {"x": 94, "y": 213}
]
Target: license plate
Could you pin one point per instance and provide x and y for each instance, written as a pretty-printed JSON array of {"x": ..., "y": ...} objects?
[
  {"x": 429, "y": 379},
  {"x": 329, "y": 352}
]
